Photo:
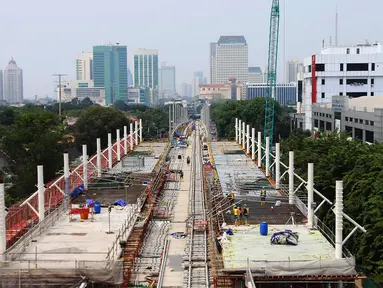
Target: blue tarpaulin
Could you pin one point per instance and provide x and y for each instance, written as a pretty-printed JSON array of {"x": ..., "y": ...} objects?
[
  {"x": 77, "y": 191},
  {"x": 120, "y": 202}
]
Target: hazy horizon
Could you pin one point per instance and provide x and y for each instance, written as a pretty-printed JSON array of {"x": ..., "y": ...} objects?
[{"x": 45, "y": 37}]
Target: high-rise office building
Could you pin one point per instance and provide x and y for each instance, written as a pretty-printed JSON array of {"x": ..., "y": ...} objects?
[
  {"x": 293, "y": 67},
  {"x": 229, "y": 58},
  {"x": 256, "y": 75},
  {"x": 1, "y": 85},
  {"x": 146, "y": 68},
  {"x": 84, "y": 66},
  {"x": 13, "y": 83},
  {"x": 186, "y": 90},
  {"x": 130, "y": 79},
  {"x": 198, "y": 79},
  {"x": 110, "y": 70},
  {"x": 167, "y": 78}
]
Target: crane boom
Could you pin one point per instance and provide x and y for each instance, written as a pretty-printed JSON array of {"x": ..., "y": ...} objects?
[{"x": 272, "y": 71}]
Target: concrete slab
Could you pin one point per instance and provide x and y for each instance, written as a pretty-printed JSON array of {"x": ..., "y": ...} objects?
[
  {"x": 247, "y": 242},
  {"x": 77, "y": 240}
]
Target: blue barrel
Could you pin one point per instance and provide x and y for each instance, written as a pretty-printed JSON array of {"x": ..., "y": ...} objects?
[
  {"x": 263, "y": 228},
  {"x": 97, "y": 207}
]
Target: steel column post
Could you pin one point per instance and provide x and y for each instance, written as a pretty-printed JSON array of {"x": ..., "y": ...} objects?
[
  {"x": 291, "y": 177},
  {"x": 41, "y": 191},
  {"x": 277, "y": 165},
  {"x": 85, "y": 166},
  {"x": 339, "y": 219},
  {"x": 99, "y": 157},
  {"x": 110, "y": 159}
]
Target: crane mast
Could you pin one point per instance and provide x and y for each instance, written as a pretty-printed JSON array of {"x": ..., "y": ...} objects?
[{"x": 272, "y": 71}]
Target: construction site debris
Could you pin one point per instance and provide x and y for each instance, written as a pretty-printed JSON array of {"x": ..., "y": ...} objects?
[{"x": 286, "y": 237}]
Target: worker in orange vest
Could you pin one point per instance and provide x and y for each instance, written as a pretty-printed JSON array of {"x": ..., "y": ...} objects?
[
  {"x": 240, "y": 211},
  {"x": 263, "y": 196}
]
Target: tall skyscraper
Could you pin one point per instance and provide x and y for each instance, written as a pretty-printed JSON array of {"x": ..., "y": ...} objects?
[
  {"x": 168, "y": 78},
  {"x": 229, "y": 58},
  {"x": 110, "y": 70},
  {"x": 293, "y": 67},
  {"x": 198, "y": 79},
  {"x": 13, "y": 83},
  {"x": 130, "y": 79},
  {"x": 146, "y": 68},
  {"x": 1, "y": 85},
  {"x": 84, "y": 66},
  {"x": 186, "y": 90}
]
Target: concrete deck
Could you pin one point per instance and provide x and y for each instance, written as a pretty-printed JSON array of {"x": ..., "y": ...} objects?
[
  {"x": 173, "y": 276},
  {"x": 248, "y": 243},
  {"x": 76, "y": 240}
]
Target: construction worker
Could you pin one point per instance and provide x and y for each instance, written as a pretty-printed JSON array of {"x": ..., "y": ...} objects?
[
  {"x": 181, "y": 175},
  {"x": 236, "y": 215},
  {"x": 263, "y": 196},
  {"x": 240, "y": 211},
  {"x": 231, "y": 197},
  {"x": 246, "y": 212}
]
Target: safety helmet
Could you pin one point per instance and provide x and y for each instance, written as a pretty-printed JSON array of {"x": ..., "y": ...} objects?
[
  {"x": 244, "y": 205},
  {"x": 235, "y": 206}
]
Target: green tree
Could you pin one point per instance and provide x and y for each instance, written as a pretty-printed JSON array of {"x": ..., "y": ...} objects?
[
  {"x": 35, "y": 138},
  {"x": 97, "y": 122}
]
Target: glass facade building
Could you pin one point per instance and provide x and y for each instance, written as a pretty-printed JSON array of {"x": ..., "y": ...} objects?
[
  {"x": 110, "y": 70},
  {"x": 285, "y": 93},
  {"x": 146, "y": 68}
]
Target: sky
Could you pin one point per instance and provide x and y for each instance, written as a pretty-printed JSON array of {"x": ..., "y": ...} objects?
[{"x": 46, "y": 36}]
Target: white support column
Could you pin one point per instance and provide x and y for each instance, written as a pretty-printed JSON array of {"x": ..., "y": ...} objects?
[
  {"x": 267, "y": 157},
  {"x": 110, "y": 159},
  {"x": 291, "y": 177},
  {"x": 41, "y": 191},
  {"x": 236, "y": 130},
  {"x": 252, "y": 143},
  {"x": 243, "y": 135},
  {"x": 85, "y": 166},
  {"x": 338, "y": 219},
  {"x": 248, "y": 139},
  {"x": 131, "y": 136},
  {"x": 98, "y": 157},
  {"x": 277, "y": 165},
  {"x": 141, "y": 139},
  {"x": 136, "y": 131},
  {"x": 125, "y": 140},
  {"x": 310, "y": 194},
  {"x": 3, "y": 232},
  {"x": 239, "y": 132},
  {"x": 118, "y": 145},
  {"x": 259, "y": 149},
  {"x": 66, "y": 181}
]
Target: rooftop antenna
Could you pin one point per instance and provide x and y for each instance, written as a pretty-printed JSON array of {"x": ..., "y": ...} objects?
[
  {"x": 330, "y": 41},
  {"x": 322, "y": 43},
  {"x": 336, "y": 26}
]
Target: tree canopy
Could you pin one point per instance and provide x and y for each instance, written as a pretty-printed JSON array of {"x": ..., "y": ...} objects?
[
  {"x": 97, "y": 122},
  {"x": 30, "y": 138},
  {"x": 360, "y": 166},
  {"x": 223, "y": 113}
]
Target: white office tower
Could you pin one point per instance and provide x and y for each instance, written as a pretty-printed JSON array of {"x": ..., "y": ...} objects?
[
  {"x": 229, "y": 58},
  {"x": 84, "y": 66},
  {"x": 13, "y": 83},
  {"x": 293, "y": 67},
  {"x": 350, "y": 70},
  {"x": 198, "y": 79},
  {"x": 146, "y": 68}
]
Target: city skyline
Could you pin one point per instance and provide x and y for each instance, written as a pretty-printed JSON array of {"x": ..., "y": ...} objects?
[{"x": 303, "y": 40}]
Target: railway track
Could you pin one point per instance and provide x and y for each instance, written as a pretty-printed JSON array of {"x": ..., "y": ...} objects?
[{"x": 196, "y": 258}]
